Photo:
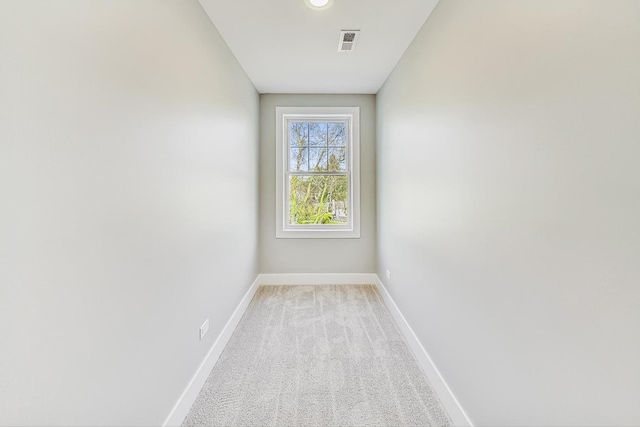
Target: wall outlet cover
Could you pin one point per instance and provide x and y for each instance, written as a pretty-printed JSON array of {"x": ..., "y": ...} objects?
[{"x": 204, "y": 328}]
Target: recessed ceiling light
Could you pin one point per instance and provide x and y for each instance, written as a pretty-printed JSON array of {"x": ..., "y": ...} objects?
[{"x": 319, "y": 4}]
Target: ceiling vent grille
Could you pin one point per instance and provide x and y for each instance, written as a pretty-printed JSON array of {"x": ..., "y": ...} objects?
[{"x": 348, "y": 40}]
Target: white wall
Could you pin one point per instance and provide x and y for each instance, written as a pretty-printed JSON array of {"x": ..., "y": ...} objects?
[
  {"x": 317, "y": 255},
  {"x": 122, "y": 126},
  {"x": 508, "y": 181}
]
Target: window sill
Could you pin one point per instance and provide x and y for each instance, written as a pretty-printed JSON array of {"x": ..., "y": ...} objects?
[{"x": 317, "y": 234}]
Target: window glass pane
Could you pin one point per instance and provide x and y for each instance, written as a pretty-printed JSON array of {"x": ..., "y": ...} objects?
[
  {"x": 317, "y": 134},
  {"x": 337, "y": 159},
  {"x": 298, "y": 159},
  {"x": 298, "y": 134},
  {"x": 318, "y": 159},
  {"x": 337, "y": 134},
  {"x": 318, "y": 200}
]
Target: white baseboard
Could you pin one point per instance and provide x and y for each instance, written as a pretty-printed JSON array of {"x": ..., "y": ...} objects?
[
  {"x": 189, "y": 395},
  {"x": 319, "y": 279},
  {"x": 448, "y": 399}
]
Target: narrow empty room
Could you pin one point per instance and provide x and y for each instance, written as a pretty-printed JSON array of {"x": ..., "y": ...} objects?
[{"x": 319, "y": 212}]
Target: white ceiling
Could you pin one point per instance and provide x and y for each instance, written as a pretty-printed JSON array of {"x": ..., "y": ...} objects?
[{"x": 285, "y": 47}]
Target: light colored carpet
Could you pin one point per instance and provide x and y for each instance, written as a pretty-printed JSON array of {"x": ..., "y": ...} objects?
[{"x": 317, "y": 355}]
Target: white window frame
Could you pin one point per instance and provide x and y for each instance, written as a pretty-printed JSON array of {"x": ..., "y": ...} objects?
[{"x": 284, "y": 230}]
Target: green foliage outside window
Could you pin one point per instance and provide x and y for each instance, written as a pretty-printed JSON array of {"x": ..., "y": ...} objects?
[{"x": 318, "y": 198}]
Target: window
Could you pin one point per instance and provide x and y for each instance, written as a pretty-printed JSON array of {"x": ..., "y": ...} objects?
[{"x": 318, "y": 176}]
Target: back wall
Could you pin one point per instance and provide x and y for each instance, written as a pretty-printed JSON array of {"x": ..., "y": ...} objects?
[{"x": 317, "y": 255}]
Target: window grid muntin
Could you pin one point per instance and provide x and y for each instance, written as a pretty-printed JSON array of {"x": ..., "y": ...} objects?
[{"x": 318, "y": 118}]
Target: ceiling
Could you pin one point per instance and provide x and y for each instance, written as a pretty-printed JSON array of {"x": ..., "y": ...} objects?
[{"x": 286, "y": 47}]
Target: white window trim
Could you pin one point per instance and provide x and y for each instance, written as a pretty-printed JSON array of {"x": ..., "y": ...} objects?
[{"x": 283, "y": 229}]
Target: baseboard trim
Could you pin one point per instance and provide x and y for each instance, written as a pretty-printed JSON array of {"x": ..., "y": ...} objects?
[
  {"x": 448, "y": 399},
  {"x": 318, "y": 279},
  {"x": 189, "y": 395}
]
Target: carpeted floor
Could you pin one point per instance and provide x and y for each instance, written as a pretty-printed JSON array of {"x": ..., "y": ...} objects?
[{"x": 317, "y": 355}]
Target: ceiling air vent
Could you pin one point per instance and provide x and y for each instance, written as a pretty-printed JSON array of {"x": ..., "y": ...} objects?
[{"x": 348, "y": 39}]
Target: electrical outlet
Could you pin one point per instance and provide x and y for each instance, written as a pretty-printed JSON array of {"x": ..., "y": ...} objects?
[
  {"x": 388, "y": 275},
  {"x": 204, "y": 328}
]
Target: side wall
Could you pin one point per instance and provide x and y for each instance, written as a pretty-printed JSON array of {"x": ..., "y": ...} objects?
[
  {"x": 128, "y": 205},
  {"x": 317, "y": 255},
  {"x": 508, "y": 181}
]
